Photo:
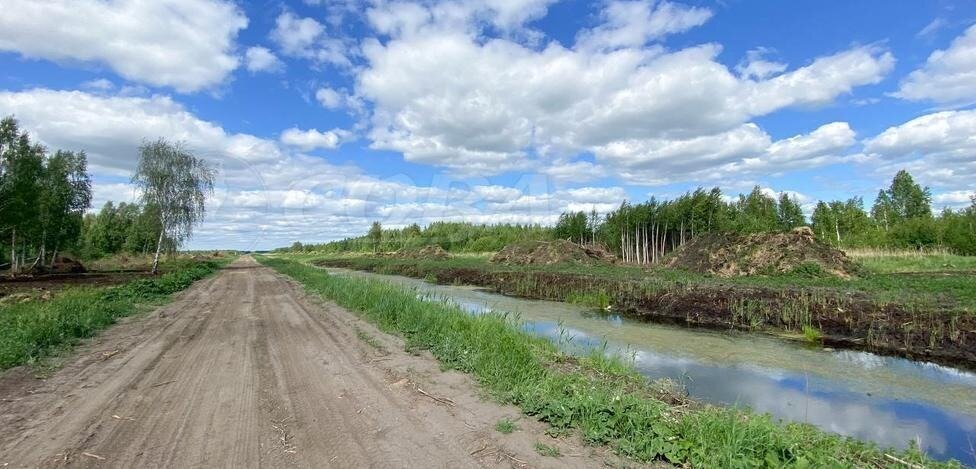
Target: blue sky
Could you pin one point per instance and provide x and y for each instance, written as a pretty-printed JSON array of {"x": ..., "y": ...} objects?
[{"x": 324, "y": 115}]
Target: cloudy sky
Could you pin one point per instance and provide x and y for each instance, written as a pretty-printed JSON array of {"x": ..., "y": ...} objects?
[{"x": 324, "y": 115}]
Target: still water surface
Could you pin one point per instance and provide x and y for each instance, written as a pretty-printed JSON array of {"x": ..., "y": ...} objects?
[{"x": 887, "y": 400}]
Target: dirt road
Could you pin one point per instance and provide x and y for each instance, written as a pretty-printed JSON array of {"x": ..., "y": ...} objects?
[{"x": 242, "y": 370}]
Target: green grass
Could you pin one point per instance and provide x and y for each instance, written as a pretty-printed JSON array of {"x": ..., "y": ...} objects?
[
  {"x": 505, "y": 426},
  {"x": 33, "y": 330},
  {"x": 918, "y": 263},
  {"x": 601, "y": 398},
  {"x": 884, "y": 279},
  {"x": 597, "y": 300},
  {"x": 546, "y": 450},
  {"x": 812, "y": 334}
]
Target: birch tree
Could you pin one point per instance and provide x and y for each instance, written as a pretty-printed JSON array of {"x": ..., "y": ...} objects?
[
  {"x": 376, "y": 235},
  {"x": 176, "y": 182},
  {"x": 65, "y": 196},
  {"x": 20, "y": 188}
]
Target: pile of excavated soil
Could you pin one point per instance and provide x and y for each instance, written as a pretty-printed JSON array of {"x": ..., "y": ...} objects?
[
  {"x": 61, "y": 265},
  {"x": 551, "y": 252},
  {"x": 730, "y": 255},
  {"x": 426, "y": 252}
]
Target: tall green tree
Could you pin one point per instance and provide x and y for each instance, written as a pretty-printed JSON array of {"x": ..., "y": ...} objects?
[
  {"x": 572, "y": 226},
  {"x": 789, "y": 213},
  {"x": 20, "y": 190},
  {"x": 825, "y": 223},
  {"x": 65, "y": 196},
  {"x": 757, "y": 212},
  {"x": 908, "y": 199},
  {"x": 376, "y": 235},
  {"x": 8, "y": 136},
  {"x": 883, "y": 212},
  {"x": 125, "y": 227},
  {"x": 177, "y": 183}
]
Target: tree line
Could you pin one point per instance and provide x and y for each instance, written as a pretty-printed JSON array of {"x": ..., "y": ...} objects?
[
  {"x": 44, "y": 198},
  {"x": 451, "y": 236},
  {"x": 123, "y": 228},
  {"x": 645, "y": 232},
  {"x": 900, "y": 218}
]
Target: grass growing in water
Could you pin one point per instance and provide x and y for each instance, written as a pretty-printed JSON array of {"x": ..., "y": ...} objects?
[
  {"x": 812, "y": 334},
  {"x": 599, "y": 300},
  {"x": 596, "y": 395},
  {"x": 29, "y": 331}
]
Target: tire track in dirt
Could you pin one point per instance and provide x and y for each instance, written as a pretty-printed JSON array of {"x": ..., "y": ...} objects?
[{"x": 243, "y": 370}]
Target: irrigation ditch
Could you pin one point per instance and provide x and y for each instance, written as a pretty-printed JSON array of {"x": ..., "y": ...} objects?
[{"x": 851, "y": 320}]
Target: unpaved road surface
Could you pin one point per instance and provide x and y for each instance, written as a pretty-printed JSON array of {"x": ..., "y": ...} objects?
[{"x": 243, "y": 370}]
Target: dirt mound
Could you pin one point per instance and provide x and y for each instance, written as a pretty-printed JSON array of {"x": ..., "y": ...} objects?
[
  {"x": 61, "y": 265},
  {"x": 731, "y": 255},
  {"x": 551, "y": 252},
  {"x": 426, "y": 252}
]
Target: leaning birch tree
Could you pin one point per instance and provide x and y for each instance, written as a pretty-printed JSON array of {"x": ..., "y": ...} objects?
[{"x": 175, "y": 182}]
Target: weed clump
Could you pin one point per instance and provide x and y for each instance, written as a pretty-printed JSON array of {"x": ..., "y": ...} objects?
[
  {"x": 505, "y": 426},
  {"x": 812, "y": 334},
  {"x": 546, "y": 450}
]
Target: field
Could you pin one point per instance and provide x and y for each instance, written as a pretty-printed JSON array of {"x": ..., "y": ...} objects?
[{"x": 921, "y": 306}]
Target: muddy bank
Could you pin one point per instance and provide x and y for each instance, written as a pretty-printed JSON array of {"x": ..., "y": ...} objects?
[{"x": 842, "y": 320}]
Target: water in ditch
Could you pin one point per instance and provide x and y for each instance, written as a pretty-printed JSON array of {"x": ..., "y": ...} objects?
[{"x": 890, "y": 401}]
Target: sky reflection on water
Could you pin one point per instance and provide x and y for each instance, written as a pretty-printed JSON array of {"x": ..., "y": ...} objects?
[{"x": 887, "y": 400}]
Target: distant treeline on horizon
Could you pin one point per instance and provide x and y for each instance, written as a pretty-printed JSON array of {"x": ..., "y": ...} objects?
[{"x": 901, "y": 217}]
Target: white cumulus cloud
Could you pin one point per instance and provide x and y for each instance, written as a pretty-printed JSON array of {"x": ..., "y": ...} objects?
[
  {"x": 757, "y": 66},
  {"x": 311, "y": 139},
  {"x": 329, "y": 98},
  {"x": 939, "y": 148},
  {"x": 267, "y": 195},
  {"x": 445, "y": 98},
  {"x": 261, "y": 59},
  {"x": 184, "y": 44},
  {"x": 635, "y": 23},
  {"x": 307, "y": 38},
  {"x": 948, "y": 76}
]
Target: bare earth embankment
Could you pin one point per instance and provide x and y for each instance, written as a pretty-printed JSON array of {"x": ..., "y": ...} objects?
[{"x": 242, "y": 370}]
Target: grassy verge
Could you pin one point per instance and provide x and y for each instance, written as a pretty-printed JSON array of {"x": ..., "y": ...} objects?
[
  {"x": 933, "y": 281},
  {"x": 928, "y": 316},
  {"x": 603, "y": 399},
  {"x": 30, "y": 331}
]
